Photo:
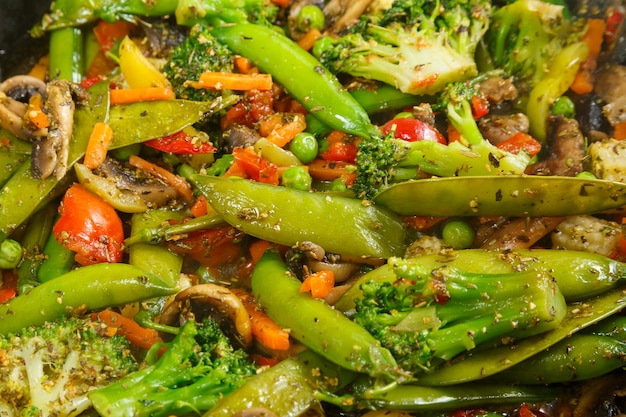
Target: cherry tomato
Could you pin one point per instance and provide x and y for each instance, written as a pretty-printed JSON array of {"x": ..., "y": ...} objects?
[
  {"x": 412, "y": 130},
  {"x": 340, "y": 152},
  {"x": 211, "y": 247},
  {"x": 256, "y": 167},
  {"x": 521, "y": 141},
  {"x": 89, "y": 226},
  {"x": 181, "y": 143}
]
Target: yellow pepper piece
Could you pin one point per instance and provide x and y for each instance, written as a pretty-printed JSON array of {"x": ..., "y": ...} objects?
[{"x": 138, "y": 71}]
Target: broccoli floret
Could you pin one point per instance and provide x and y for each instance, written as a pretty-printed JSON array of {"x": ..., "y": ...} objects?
[
  {"x": 425, "y": 317},
  {"x": 48, "y": 370},
  {"x": 456, "y": 101},
  {"x": 525, "y": 36},
  {"x": 415, "y": 46},
  {"x": 198, "y": 368},
  {"x": 198, "y": 53}
]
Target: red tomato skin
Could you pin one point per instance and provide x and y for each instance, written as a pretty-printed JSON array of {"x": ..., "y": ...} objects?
[
  {"x": 89, "y": 226},
  {"x": 413, "y": 130}
]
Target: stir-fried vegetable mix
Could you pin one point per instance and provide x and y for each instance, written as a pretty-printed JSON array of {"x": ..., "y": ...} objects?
[{"x": 278, "y": 207}]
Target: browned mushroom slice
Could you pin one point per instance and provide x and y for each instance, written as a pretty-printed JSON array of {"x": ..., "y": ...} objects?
[
  {"x": 50, "y": 153},
  {"x": 221, "y": 298}
]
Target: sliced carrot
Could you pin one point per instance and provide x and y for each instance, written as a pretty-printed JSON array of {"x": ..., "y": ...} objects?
[
  {"x": 200, "y": 207},
  {"x": 282, "y": 3},
  {"x": 98, "y": 145},
  {"x": 284, "y": 133},
  {"x": 593, "y": 37},
  {"x": 422, "y": 223},
  {"x": 233, "y": 81},
  {"x": 129, "y": 328},
  {"x": 236, "y": 170},
  {"x": 243, "y": 65},
  {"x": 40, "y": 69},
  {"x": 264, "y": 329},
  {"x": 319, "y": 283},
  {"x": 309, "y": 38},
  {"x": 329, "y": 170},
  {"x": 257, "y": 249},
  {"x": 270, "y": 122},
  {"x": 35, "y": 112},
  {"x": 179, "y": 183},
  {"x": 619, "y": 131},
  {"x": 134, "y": 95}
]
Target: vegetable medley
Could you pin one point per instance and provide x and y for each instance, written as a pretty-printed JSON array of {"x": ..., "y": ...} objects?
[{"x": 278, "y": 207}]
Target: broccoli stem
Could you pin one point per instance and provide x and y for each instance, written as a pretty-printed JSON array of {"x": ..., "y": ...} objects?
[{"x": 460, "y": 116}]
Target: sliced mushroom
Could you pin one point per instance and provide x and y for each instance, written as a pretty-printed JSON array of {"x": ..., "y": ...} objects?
[
  {"x": 221, "y": 298},
  {"x": 14, "y": 92},
  {"x": 498, "y": 128},
  {"x": 343, "y": 13},
  {"x": 50, "y": 153}
]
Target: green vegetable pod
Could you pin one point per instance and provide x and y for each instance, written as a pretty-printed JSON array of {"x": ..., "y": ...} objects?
[
  {"x": 578, "y": 358},
  {"x": 288, "y": 216},
  {"x": 300, "y": 73},
  {"x": 288, "y": 389},
  {"x": 89, "y": 288},
  {"x": 315, "y": 324}
]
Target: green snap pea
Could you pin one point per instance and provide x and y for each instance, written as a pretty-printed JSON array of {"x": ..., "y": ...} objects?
[
  {"x": 58, "y": 260},
  {"x": 12, "y": 155},
  {"x": 66, "y": 54},
  {"x": 577, "y": 358},
  {"x": 312, "y": 322},
  {"x": 297, "y": 177},
  {"x": 88, "y": 288},
  {"x": 301, "y": 74},
  {"x": 274, "y": 213},
  {"x": 288, "y": 389},
  {"x": 304, "y": 146}
]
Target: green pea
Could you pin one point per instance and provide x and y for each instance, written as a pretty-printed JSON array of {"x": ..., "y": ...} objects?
[
  {"x": 563, "y": 106},
  {"x": 404, "y": 115},
  {"x": 587, "y": 175},
  {"x": 458, "y": 234},
  {"x": 310, "y": 17},
  {"x": 10, "y": 254},
  {"x": 321, "y": 45},
  {"x": 304, "y": 146},
  {"x": 298, "y": 178},
  {"x": 338, "y": 185}
]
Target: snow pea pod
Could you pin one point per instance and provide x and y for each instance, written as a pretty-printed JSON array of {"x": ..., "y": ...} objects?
[
  {"x": 519, "y": 196},
  {"x": 287, "y": 216},
  {"x": 315, "y": 324},
  {"x": 13, "y": 152},
  {"x": 301, "y": 74},
  {"x": 288, "y": 389},
  {"x": 89, "y": 288},
  {"x": 481, "y": 364}
]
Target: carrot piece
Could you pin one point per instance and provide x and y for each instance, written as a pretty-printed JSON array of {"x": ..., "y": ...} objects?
[
  {"x": 309, "y": 38},
  {"x": 284, "y": 133},
  {"x": 98, "y": 145},
  {"x": 282, "y": 3},
  {"x": 453, "y": 134},
  {"x": 129, "y": 328},
  {"x": 593, "y": 37},
  {"x": 422, "y": 223},
  {"x": 179, "y": 183},
  {"x": 330, "y": 170},
  {"x": 243, "y": 65},
  {"x": 35, "y": 112},
  {"x": 236, "y": 170},
  {"x": 133, "y": 95},
  {"x": 257, "y": 249},
  {"x": 266, "y": 330},
  {"x": 619, "y": 131},
  {"x": 40, "y": 69},
  {"x": 200, "y": 207},
  {"x": 232, "y": 81},
  {"x": 269, "y": 123},
  {"x": 319, "y": 283}
]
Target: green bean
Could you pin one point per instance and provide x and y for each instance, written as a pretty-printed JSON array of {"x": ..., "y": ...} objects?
[
  {"x": 319, "y": 327},
  {"x": 58, "y": 260},
  {"x": 301, "y": 74},
  {"x": 35, "y": 235},
  {"x": 66, "y": 54},
  {"x": 577, "y": 358},
  {"x": 483, "y": 363},
  {"x": 288, "y": 389},
  {"x": 88, "y": 288},
  {"x": 341, "y": 224}
]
